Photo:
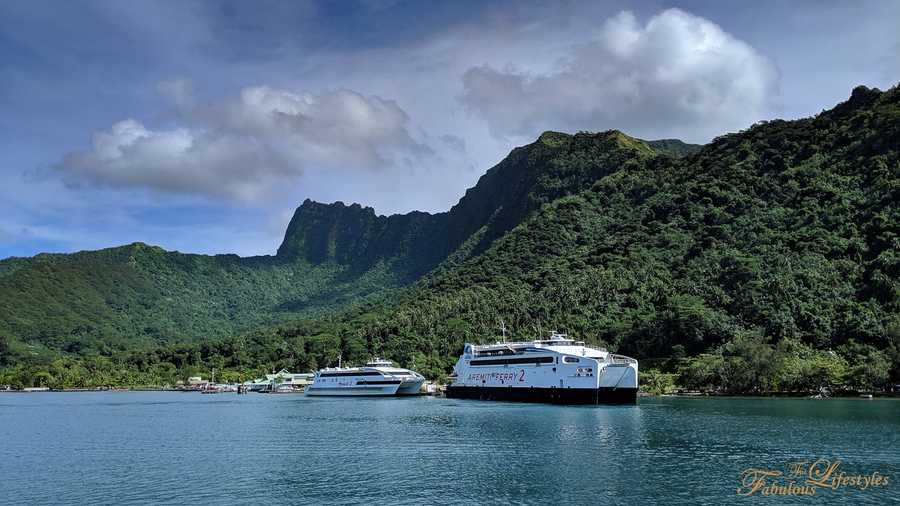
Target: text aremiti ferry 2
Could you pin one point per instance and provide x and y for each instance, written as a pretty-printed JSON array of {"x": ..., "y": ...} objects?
[
  {"x": 378, "y": 377},
  {"x": 557, "y": 370}
]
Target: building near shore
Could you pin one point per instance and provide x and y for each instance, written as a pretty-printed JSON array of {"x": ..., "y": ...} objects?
[{"x": 282, "y": 377}]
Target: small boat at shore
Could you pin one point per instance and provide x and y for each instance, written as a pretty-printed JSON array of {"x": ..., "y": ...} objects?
[
  {"x": 378, "y": 377},
  {"x": 213, "y": 388},
  {"x": 282, "y": 389}
]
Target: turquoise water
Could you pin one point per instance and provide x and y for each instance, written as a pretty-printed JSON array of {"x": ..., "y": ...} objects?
[{"x": 187, "y": 448}]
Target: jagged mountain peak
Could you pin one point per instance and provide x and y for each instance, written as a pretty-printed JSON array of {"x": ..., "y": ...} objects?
[{"x": 556, "y": 164}]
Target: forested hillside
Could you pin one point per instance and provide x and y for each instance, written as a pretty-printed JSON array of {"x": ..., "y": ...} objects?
[
  {"x": 789, "y": 229},
  {"x": 332, "y": 256},
  {"x": 774, "y": 250},
  {"x": 139, "y": 295}
]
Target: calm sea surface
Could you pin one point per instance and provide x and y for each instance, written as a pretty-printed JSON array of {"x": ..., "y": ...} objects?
[{"x": 187, "y": 448}]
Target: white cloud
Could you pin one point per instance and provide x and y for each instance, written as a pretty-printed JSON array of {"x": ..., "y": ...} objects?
[
  {"x": 678, "y": 75},
  {"x": 819, "y": 55},
  {"x": 245, "y": 147}
]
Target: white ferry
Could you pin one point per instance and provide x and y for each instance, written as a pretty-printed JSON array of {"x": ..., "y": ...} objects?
[
  {"x": 378, "y": 377},
  {"x": 558, "y": 370}
]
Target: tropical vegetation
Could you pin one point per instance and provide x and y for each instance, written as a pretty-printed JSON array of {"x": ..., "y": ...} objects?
[{"x": 766, "y": 260}]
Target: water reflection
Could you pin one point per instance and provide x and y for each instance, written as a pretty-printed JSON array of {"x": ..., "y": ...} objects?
[{"x": 137, "y": 448}]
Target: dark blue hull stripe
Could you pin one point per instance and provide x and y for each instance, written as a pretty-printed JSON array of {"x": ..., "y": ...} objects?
[{"x": 603, "y": 395}]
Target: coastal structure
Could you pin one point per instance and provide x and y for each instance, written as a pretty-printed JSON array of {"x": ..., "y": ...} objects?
[
  {"x": 281, "y": 380},
  {"x": 557, "y": 370},
  {"x": 378, "y": 377}
]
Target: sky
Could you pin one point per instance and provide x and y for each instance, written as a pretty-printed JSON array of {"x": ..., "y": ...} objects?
[{"x": 201, "y": 126}]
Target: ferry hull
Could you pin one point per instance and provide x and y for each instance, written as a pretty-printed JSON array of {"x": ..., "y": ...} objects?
[
  {"x": 413, "y": 387},
  {"x": 353, "y": 391},
  {"x": 546, "y": 395}
]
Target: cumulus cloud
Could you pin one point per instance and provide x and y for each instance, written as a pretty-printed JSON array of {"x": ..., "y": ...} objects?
[
  {"x": 243, "y": 147},
  {"x": 678, "y": 75}
]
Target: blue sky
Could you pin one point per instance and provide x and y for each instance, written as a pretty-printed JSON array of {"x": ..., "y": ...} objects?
[{"x": 200, "y": 126}]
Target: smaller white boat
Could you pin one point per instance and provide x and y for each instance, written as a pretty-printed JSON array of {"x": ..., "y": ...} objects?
[
  {"x": 283, "y": 388},
  {"x": 378, "y": 377}
]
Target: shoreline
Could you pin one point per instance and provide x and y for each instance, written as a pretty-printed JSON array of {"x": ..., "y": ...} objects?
[
  {"x": 776, "y": 395},
  {"x": 690, "y": 395},
  {"x": 95, "y": 390}
]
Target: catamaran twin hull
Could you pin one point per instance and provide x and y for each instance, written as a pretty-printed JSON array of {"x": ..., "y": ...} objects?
[
  {"x": 558, "y": 370},
  {"x": 363, "y": 389}
]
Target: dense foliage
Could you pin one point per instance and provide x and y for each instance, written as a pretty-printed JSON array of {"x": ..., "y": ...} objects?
[
  {"x": 138, "y": 296},
  {"x": 767, "y": 260},
  {"x": 749, "y": 363}
]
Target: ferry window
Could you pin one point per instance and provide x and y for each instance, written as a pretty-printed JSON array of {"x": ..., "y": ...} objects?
[
  {"x": 510, "y": 361},
  {"x": 570, "y": 360}
]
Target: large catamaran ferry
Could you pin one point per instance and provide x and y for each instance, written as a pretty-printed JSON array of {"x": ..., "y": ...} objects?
[
  {"x": 557, "y": 370},
  {"x": 378, "y": 377}
]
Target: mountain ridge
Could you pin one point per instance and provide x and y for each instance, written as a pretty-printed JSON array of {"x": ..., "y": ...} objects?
[
  {"x": 332, "y": 255},
  {"x": 783, "y": 234},
  {"x": 499, "y": 200}
]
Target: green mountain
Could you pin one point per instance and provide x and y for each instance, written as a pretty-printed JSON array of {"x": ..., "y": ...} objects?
[
  {"x": 774, "y": 242},
  {"x": 785, "y": 234},
  {"x": 674, "y": 147},
  {"x": 791, "y": 228},
  {"x": 332, "y": 256}
]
